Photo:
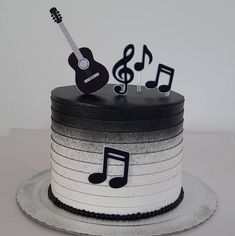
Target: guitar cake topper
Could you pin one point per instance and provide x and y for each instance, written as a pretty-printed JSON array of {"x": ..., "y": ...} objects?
[{"x": 91, "y": 76}]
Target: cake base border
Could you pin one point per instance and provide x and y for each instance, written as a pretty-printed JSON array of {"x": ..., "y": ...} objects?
[
  {"x": 199, "y": 204},
  {"x": 129, "y": 217}
]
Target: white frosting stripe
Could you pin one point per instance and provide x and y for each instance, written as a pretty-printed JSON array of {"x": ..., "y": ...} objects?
[
  {"x": 104, "y": 189},
  {"x": 131, "y": 148},
  {"x": 115, "y": 202},
  {"x": 133, "y": 137},
  {"x": 143, "y": 158},
  {"x": 134, "y": 170},
  {"x": 82, "y": 186},
  {"x": 144, "y": 206}
]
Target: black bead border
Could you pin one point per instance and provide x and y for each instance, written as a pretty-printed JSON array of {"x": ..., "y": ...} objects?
[{"x": 129, "y": 217}]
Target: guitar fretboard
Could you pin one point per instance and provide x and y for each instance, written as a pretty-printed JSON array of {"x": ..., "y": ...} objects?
[{"x": 71, "y": 41}]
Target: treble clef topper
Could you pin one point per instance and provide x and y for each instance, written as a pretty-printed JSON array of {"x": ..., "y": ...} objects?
[{"x": 121, "y": 72}]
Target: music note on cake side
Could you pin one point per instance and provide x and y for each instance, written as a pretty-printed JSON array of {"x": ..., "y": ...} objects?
[
  {"x": 164, "y": 88},
  {"x": 90, "y": 75},
  {"x": 116, "y": 182}
]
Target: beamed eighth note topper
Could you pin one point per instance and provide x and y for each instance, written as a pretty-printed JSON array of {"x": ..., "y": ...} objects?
[{"x": 90, "y": 75}]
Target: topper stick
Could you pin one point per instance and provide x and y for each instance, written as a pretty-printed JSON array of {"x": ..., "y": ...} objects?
[{"x": 139, "y": 84}]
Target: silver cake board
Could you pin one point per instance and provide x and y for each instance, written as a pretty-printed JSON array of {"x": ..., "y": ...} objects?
[{"x": 198, "y": 205}]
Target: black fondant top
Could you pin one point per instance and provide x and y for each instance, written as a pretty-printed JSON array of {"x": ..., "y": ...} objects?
[{"x": 106, "y": 105}]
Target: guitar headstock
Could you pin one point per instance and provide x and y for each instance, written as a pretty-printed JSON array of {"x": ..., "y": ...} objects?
[{"x": 55, "y": 14}]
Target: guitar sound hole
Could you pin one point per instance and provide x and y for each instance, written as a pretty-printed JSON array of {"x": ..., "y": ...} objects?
[{"x": 83, "y": 64}]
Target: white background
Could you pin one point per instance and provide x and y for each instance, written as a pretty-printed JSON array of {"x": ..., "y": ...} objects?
[{"x": 197, "y": 38}]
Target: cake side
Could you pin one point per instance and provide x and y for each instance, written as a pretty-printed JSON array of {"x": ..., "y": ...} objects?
[{"x": 154, "y": 177}]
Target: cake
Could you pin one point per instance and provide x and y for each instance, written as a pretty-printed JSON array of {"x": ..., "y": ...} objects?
[{"x": 145, "y": 127}]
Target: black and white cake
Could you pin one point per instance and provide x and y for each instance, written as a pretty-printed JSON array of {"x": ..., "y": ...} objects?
[{"x": 90, "y": 132}]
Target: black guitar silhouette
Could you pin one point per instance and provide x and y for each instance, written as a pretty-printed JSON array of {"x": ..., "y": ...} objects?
[{"x": 90, "y": 75}]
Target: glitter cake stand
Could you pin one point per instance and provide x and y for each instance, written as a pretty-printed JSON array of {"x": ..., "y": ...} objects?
[{"x": 198, "y": 205}]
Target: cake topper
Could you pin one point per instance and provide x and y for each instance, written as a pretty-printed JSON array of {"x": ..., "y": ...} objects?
[
  {"x": 121, "y": 72},
  {"x": 116, "y": 182},
  {"x": 124, "y": 74},
  {"x": 90, "y": 75},
  {"x": 166, "y": 87},
  {"x": 139, "y": 66}
]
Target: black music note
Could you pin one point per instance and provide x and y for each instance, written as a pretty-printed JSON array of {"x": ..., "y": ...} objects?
[
  {"x": 163, "y": 88},
  {"x": 116, "y": 182},
  {"x": 140, "y": 65},
  {"x": 125, "y": 75}
]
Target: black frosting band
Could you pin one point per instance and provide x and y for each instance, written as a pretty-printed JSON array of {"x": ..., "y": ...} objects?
[
  {"x": 117, "y": 126},
  {"x": 136, "y": 216},
  {"x": 124, "y": 114}
]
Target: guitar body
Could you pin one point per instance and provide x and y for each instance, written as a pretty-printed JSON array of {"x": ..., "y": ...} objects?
[{"x": 91, "y": 79}]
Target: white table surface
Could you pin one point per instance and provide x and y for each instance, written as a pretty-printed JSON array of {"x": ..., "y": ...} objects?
[{"x": 26, "y": 152}]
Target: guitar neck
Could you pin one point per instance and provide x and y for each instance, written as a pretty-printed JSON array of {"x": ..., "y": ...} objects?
[{"x": 71, "y": 41}]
